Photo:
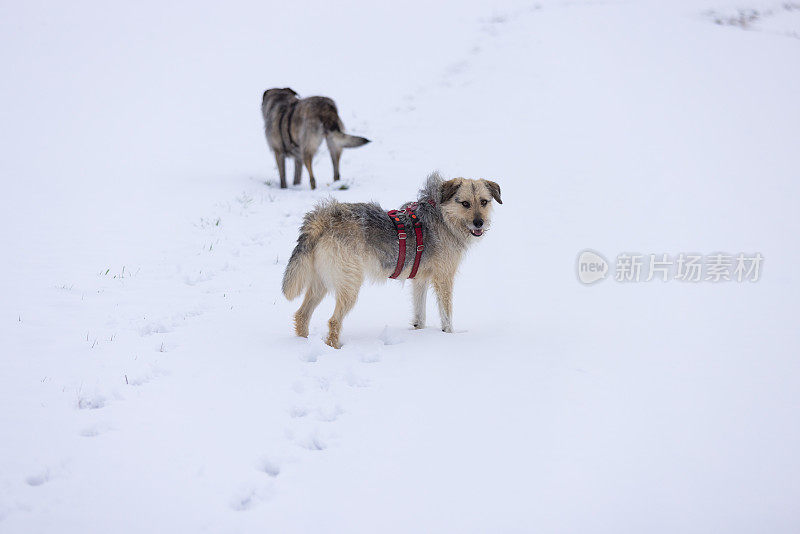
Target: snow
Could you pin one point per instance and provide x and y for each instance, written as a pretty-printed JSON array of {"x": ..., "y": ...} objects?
[{"x": 149, "y": 378}]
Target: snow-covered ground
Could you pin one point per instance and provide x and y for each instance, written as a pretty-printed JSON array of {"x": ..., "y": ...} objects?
[{"x": 149, "y": 378}]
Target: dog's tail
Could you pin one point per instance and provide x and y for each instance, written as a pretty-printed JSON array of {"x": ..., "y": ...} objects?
[
  {"x": 343, "y": 140},
  {"x": 300, "y": 270},
  {"x": 334, "y": 132}
]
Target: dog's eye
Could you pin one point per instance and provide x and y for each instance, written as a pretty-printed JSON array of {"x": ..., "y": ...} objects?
[
  {"x": 465, "y": 204},
  {"x": 484, "y": 202}
]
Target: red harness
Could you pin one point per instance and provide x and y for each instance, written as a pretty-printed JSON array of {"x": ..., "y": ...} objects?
[{"x": 394, "y": 215}]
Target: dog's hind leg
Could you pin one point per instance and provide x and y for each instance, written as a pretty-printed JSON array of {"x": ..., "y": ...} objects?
[
  {"x": 420, "y": 288},
  {"x": 336, "y": 154},
  {"x": 444, "y": 293},
  {"x": 280, "y": 159},
  {"x": 346, "y": 296},
  {"x": 314, "y": 295},
  {"x": 307, "y": 159},
  {"x": 298, "y": 170}
]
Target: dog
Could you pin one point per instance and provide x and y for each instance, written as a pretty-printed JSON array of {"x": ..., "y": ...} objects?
[
  {"x": 296, "y": 127},
  {"x": 342, "y": 245}
]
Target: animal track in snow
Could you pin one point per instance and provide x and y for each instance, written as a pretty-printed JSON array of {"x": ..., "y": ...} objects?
[
  {"x": 145, "y": 377},
  {"x": 328, "y": 414},
  {"x": 244, "y": 501},
  {"x": 355, "y": 381},
  {"x": 314, "y": 442},
  {"x": 39, "y": 478},
  {"x": 297, "y": 412},
  {"x": 310, "y": 356},
  {"x": 270, "y": 467},
  {"x": 323, "y": 383},
  {"x": 249, "y": 496},
  {"x": 95, "y": 430},
  {"x": 194, "y": 279},
  {"x": 370, "y": 357},
  {"x": 492, "y": 24},
  {"x": 165, "y": 326},
  {"x": 390, "y": 336},
  {"x": 154, "y": 328},
  {"x": 45, "y": 475},
  {"x": 313, "y": 349},
  {"x": 90, "y": 402}
]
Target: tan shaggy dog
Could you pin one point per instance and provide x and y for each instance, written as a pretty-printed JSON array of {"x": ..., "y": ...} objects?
[{"x": 342, "y": 245}]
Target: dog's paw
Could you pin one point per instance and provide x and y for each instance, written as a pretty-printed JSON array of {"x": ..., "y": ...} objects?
[
  {"x": 300, "y": 326},
  {"x": 447, "y": 329},
  {"x": 418, "y": 325}
]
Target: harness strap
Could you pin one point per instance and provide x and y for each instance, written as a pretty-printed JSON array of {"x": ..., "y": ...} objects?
[
  {"x": 401, "y": 236},
  {"x": 394, "y": 215},
  {"x": 420, "y": 248}
]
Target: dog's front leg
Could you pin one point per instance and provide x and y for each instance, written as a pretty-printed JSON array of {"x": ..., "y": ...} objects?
[
  {"x": 444, "y": 293},
  {"x": 420, "y": 288}
]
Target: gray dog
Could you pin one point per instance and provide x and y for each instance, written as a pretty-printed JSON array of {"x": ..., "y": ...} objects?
[
  {"x": 296, "y": 127},
  {"x": 342, "y": 245}
]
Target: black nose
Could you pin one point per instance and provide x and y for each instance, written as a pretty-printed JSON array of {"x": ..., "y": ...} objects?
[{"x": 477, "y": 222}]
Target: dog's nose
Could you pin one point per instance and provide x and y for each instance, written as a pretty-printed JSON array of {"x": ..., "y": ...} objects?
[{"x": 477, "y": 222}]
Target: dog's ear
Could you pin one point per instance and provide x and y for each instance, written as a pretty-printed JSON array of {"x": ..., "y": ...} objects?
[
  {"x": 448, "y": 189},
  {"x": 494, "y": 189},
  {"x": 290, "y": 90}
]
